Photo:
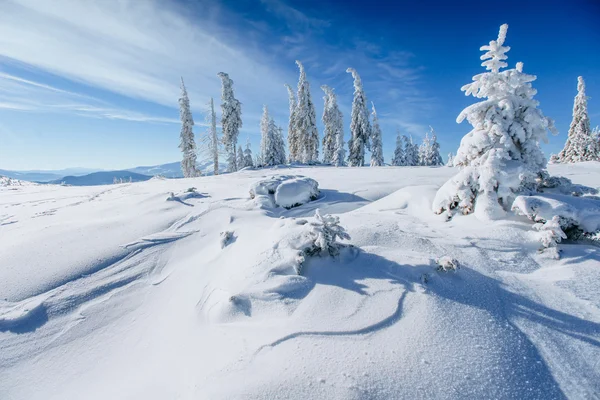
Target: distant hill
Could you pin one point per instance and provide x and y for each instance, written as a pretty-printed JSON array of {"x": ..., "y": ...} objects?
[
  {"x": 45, "y": 175},
  {"x": 173, "y": 170},
  {"x": 101, "y": 178}
]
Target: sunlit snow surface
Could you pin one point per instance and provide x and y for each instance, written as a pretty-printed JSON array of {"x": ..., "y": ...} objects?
[{"x": 119, "y": 292}]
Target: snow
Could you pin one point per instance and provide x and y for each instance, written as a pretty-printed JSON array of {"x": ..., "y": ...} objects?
[
  {"x": 115, "y": 292},
  {"x": 296, "y": 192}
]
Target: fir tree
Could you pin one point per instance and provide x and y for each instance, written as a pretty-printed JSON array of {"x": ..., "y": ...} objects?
[
  {"x": 399, "y": 156},
  {"x": 267, "y": 139},
  {"x": 424, "y": 150},
  {"x": 580, "y": 145},
  {"x": 231, "y": 120},
  {"x": 248, "y": 161},
  {"x": 450, "y": 162},
  {"x": 411, "y": 152},
  {"x": 433, "y": 157},
  {"x": 501, "y": 156},
  {"x": 376, "y": 144},
  {"x": 187, "y": 143},
  {"x": 332, "y": 121},
  {"x": 279, "y": 145},
  {"x": 293, "y": 142},
  {"x": 214, "y": 140},
  {"x": 360, "y": 128},
  {"x": 240, "y": 158},
  {"x": 305, "y": 121}
]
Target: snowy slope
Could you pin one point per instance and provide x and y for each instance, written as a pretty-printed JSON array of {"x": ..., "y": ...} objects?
[{"x": 116, "y": 292}]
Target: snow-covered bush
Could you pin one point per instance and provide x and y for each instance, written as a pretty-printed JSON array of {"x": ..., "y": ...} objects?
[
  {"x": 284, "y": 191},
  {"x": 560, "y": 216},
  {"x": 501, "y": 157},
  {"x": 447, "y": 264},
  {"x": 550, "y": 235},
  {"x": 324, "y": 234},
  {"x": 226, "y": 238}
]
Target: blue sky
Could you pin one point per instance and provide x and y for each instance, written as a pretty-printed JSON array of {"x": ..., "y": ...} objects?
[{"x": 95, "y": 83}]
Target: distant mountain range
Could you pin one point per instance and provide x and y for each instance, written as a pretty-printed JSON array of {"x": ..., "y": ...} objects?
[
  {"x": 90, "y": 177},
  {"x": 101, "y": 178}
]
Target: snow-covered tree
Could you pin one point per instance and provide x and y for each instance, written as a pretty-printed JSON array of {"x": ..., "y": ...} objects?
[
  {"x": 293, "y": 141},
  {"x": 214, "y": 139},
  {"x": 305, "y": 121},
  {"x": 231, "y": 120},
  {"x": 339, "y": 154},
  {"x": 411, "y": 151},
  {"x": 501, "y": 156},
  {"x": 450, "y": 162},
  {"x": 424, "y": 150},
  {"x": 267, "y": 140},
  {"x": 580, "y": 145},
  {"x": 332, "y": 120},
  {"x": 596, "y": 136},
  {"x": 248, "y": 161},
  {"x": 279, "y": 146},
  {"x": 432, "y": 154},
  {"x": 360, "y": 128},
  {"x": 376, "y": 143},
  {"x": 240, "y": 158},
  {"x": 399, "y": 159},
  {"x": 187, "y": 144}
]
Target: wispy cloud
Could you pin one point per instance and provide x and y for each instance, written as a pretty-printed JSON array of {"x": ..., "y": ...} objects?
[{"x": 19, "y": 94}]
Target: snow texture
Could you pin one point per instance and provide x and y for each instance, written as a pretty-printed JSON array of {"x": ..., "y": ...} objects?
[
  {"x": 111, "y": 292},
  {"x": 360, "y": 127}
]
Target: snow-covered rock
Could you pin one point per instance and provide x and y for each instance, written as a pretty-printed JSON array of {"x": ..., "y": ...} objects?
[
  {"x": 582, "y": 212},
  {"x": 284, "y": 191}
]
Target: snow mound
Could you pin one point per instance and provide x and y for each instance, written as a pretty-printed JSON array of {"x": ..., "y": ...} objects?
[
  {"x": 188, "y": 194},
  {"x": 284, "y": 191},
  {"x": 583, "y": 212}
]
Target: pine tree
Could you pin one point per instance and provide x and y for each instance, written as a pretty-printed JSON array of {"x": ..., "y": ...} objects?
[
  {"x": 332, "y": 121},
  {"x": 248, "y": 161},
  {"x": 240, "y": 158},
  {"x": 339, "y": 154},
  {"x": 501, "y": 156},
  {"x": 424, "y": 150},
  {"x": 450, "y": 162},
  {"x": 580, "y": 145},
  {"x": 279, "y": 145},
  {"x": 187, "y": 143},
  {"x": 399, "y": 156},
  {"x": 305, "y": 121},
  {"x": 266, "y": 141},
  {"x": 214, "y": 139},
  {"x": 376, "y": 144},
  {"x": 433, "y": 155},
  {"x": 411, "y": 152},
  {"x": 293, "y": 141},
  {"x": 231, "y": 120},
  {"x": 360, "y": 128}
]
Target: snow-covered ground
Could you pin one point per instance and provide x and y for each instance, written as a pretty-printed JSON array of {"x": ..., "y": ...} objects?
[{"x": 129, "y": 291}]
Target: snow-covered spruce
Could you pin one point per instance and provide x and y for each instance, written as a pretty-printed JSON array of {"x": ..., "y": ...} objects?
[
  {"x": 433, "y": 157},
  {"x": 581, "y": 144},
  {"x": 360, "y": 128},
  {"x": 411, "y": 151},
  {"x": 286, "y": 191},
  {"x": 279, "y": 145},
  {"x": 501, "y": 157},
  {"x": 450, "y": 162},
  {"x": 333, "y": 128},
  {"x": 240, "y": 157},
  {"x": 423, "y": 150},
  {"x": 266, "y": 139},
  {"x": 187, "y": 144},
  {"x": 293, "y": 142},
  {"x": 376, "y": 143},
  {"x": 550, "y": 235},
  {"x": 334, "y": 125},
  {"x": 248, "y": 161},
  {"x": 399, "y": 157},
  {"x": 214, "y": 139},
  {"x": 305, "y": 122},
  {"x": 231, "y": 120}
]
